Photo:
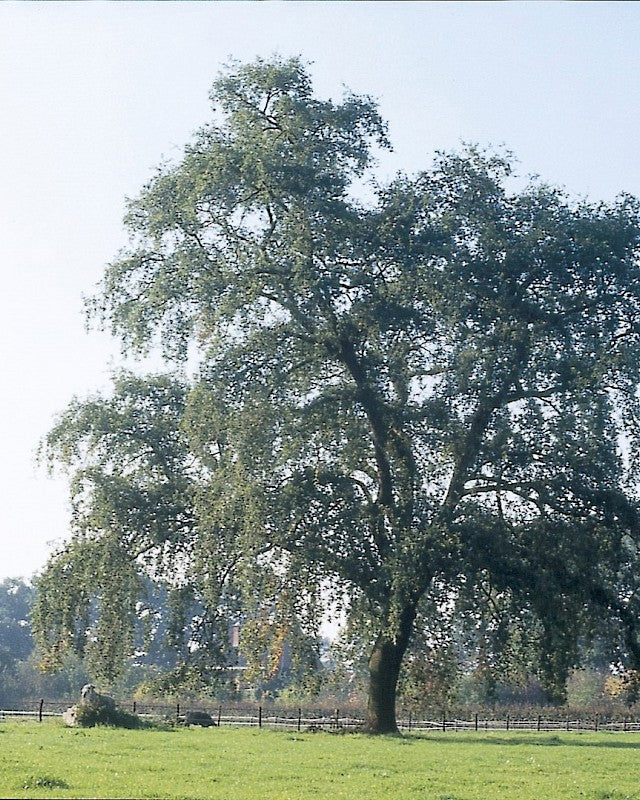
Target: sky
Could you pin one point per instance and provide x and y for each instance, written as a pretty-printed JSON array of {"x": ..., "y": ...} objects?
[{"x": 95, "y": 95}]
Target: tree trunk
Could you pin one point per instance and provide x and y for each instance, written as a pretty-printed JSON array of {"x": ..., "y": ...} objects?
[{"x": 384, "y": 668}]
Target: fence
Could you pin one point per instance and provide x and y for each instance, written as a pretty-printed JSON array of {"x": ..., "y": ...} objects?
[{"x": 267, "y": 717}]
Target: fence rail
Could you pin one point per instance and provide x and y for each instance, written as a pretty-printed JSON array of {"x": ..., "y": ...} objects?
[{"x": 262, "y": 717}]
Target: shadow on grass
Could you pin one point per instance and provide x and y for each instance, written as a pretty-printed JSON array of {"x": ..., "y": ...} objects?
[{"x": 542, "y": 740}]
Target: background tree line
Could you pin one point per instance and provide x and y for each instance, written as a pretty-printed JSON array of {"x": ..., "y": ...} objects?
[{"x": 432, "y": 680}]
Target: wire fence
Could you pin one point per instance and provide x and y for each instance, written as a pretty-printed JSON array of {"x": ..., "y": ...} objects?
[{"x": 301, "y": 720}]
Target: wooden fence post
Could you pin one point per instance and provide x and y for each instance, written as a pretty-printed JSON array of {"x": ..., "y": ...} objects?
[
  {"x": 539, "y": 721},
  {"x": 337, "y": 716},
  {"x": 444, "y": 721},
  {"x": 299, "y": 719},
  {"x": 177, "y": 713},
  {"x": 40, "y": 710},
  {"x": 476, "y": 723},
  {"x": 259, "y": 716},
  {"x": 219, "y": 714}
]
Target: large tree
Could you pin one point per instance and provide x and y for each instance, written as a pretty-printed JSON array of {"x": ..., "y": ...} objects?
[{"x": 419, "y": 406}]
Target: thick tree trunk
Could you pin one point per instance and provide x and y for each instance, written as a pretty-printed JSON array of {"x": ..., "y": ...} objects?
[{"x": 384, "y": 668}]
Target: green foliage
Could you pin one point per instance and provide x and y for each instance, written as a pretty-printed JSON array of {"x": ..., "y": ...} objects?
[
  {"x": 16, "y": 598},
  {"x": 28, "y": 681},
  {"x": 420, "y": 410},
  {"x": 428, "y": 679},
  {"x": 89, "y": 715}
]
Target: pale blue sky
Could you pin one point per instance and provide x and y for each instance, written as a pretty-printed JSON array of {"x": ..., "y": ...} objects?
[{"x": 93, "y": 95}]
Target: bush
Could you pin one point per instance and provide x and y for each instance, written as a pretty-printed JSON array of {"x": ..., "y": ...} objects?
[{"x": 88, "y": 716}]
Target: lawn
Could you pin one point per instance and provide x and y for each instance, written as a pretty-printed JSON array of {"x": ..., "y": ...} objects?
[{"x": 51, "y": 761}]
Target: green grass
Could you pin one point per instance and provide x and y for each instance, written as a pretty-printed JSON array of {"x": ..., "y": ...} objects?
[{"x": 51, "y": 761}]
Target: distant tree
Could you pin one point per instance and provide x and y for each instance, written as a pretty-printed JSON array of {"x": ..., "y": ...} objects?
[
  {"x": 423, "y": 408},
  {"x": 16, "y": 599},
  {"x": 22, "y": 680}
]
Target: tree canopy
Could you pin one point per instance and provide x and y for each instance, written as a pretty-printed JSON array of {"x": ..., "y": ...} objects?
[{"x": 422, "y": 407}]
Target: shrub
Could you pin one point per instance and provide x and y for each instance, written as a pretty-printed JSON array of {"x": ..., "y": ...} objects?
[{"x": 87, "y": 716}]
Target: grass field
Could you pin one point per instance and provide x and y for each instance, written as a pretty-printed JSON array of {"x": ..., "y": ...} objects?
[{"x": 51, "y": 761}]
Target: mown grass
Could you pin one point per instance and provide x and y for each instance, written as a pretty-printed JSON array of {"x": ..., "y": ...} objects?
[{"x": 51, "y": 761}]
